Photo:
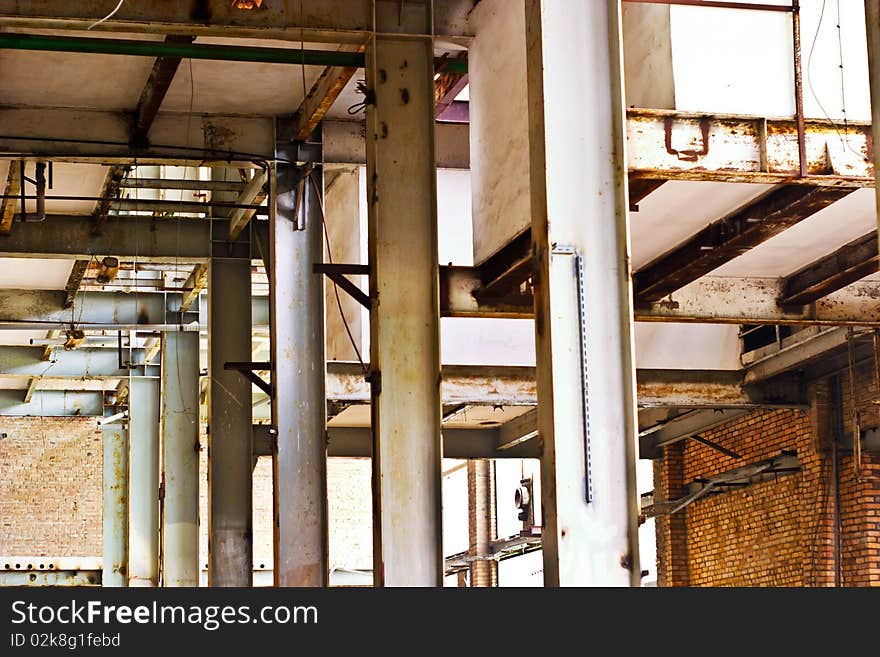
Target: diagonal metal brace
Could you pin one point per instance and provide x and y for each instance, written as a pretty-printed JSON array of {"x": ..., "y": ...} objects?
[
  {"x": 338, "y": 272},
  {"x": 247, "y": 369}
]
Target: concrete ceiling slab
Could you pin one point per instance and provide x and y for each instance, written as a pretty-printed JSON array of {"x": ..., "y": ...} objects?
[{"x": 34, "y": 273}]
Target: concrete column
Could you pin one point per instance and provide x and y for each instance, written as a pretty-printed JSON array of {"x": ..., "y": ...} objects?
[
  {"x": 143, "y": 481},
  {"x": 180, "y": 444},
  {"x": 583, "y": 304},
  {"x": 115, "y": 505},
  {"x": 298, "y": 405},
  {"x": 872, "y": 24},
  {"x": 230, "y": 522},
  {"x": 404, "y": 320},
  {"x": 481, "y": 522}
]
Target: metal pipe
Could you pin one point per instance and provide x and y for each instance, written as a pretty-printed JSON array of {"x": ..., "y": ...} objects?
[
  {"x": 186, "y": 185},
  {"x": 180, "y": 444},
  {"x": 143, "y": 482},
  {"x": 298, "y": 403},
  {"x": 799, "y": 88},
  {"x": 110, "y": 419},
  {"x": 146, "y": 204},
  {"x": 115, "y": 506},
  {"x": 182, "y": 50},
  {"x": 52, "y": 325}
]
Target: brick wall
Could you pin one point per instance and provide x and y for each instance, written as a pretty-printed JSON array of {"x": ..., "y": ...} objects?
[
  {"x": 50, "y": 487},
  {"x": 51, "y": 492},
  {"x": 778, "y": 532}
]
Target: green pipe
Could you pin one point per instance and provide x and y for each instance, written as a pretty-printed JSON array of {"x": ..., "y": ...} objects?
[{"x": 195, "y": 51}]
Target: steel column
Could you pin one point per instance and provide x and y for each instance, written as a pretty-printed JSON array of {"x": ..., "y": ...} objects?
[
  {"x": 180, "y": 444},
  {"x": 872, "y": 25},
  {"x": 481, "y": 522},
  {"x": 583, "y": 306},
  {"x": 404, "y": 320},
  {"x": 143, "y": 482},
  {"x": 230, "y": 526},
  {"x": 298, "y": 405},
  {"x": 115, "y": 505}
]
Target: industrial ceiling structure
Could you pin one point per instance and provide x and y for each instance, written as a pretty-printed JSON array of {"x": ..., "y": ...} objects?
[{"x": 165, "y": 251}]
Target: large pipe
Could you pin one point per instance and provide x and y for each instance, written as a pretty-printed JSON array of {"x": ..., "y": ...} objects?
[
  {"x": 54, "y": 43},
  {"x": 115, "y": 506},
  {"x": 298, "y": 405},
  {"x": 180, "y": 444}
]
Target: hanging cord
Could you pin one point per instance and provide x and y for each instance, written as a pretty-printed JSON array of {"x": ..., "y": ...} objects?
[
  {"x": 108, "y": 16},
  {"x": 336, "y": 287},
  {"x": 843, "y": 137}
]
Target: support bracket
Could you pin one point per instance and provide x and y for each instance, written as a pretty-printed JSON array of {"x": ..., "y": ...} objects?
[
  {"x": 338, "y": 272},
  {"x": 247, "y": 369}
]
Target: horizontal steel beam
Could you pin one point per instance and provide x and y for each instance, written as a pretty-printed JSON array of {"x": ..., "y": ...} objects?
[
  {"x": 796, "y": 355},
  {"x": 144, "y": 238},
  {"x": 850, "y": 263},
  {"x": 673, "y": 145},
  {"x": 686, "y": 425},
  {"x": 184, "y": 49},
  {"x": 730, "y": 237},
  {"x": 102, "y": 136},
  {"x": 84, "y": 363},
  {"x": 52, "y": 403},
  {"x": 709, "y": 300},
  {"x": 721, "y": 300},
  {"x": 479, "y": 443},
  {"x": 186, "y": 185},
  {"x": 335, "y": 21},
  {"x": 50, "y": 578}
]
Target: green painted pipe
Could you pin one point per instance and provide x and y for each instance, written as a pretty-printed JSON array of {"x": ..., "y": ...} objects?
[{"x": 194, "y": 51}]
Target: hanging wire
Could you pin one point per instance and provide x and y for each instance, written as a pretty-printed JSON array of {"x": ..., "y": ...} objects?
[
  {"x": 843, "y": 137},
  {"x": 335, "y": 286},
  {"x": 108, "y": 16}
]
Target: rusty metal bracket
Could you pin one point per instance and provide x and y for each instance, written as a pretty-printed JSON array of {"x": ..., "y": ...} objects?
[
  {"x": 247, "y": 370},
  {"x": 338, "y": 272},
  {"x": 690, "y": 155}
]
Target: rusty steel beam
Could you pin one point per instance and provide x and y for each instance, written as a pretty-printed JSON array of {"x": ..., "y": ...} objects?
[
  {"x": 193, "y": 286},
  {"x": 673, "y": 145},
  {"x": 110, "y": 192},
  {"x": 321, "y": 96},
  {"x": 731, "y": 236},
  {"x": 154, "y": 91},
  {"x": 639, "y": 189},
  {"x": 447, "y": 85},
  {"x": 7, "y": 205},
  {"x": 74, "y": 281},
  {"x": 850, "y": 263}
]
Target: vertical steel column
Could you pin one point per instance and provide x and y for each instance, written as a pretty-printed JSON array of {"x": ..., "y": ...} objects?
[
  {"x": 481, "y": 522},
  {"x": 404, "y": 320},
  {"x": 298, "y": 405},
  {"x": 180, "y": 442},
  {"x": 230, "y": 513},
  {"x": 583, "y": 298},
  {"x": 872, "y": 24},
  {"x": 143, "y": 481},
  {"x": 115, "y": 505}
]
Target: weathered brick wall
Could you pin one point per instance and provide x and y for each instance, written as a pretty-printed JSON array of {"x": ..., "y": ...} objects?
[
  {"x": 775, "y": 533},
  {"x": 50, "y": 487},
  {"x": 51, "y": 492}
]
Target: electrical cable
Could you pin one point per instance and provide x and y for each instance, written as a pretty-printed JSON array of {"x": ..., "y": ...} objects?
[
  {"x": 335, "y": 286},
  {"x": 844, "y": 138},
  {"x": 108, "y": 16}
]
